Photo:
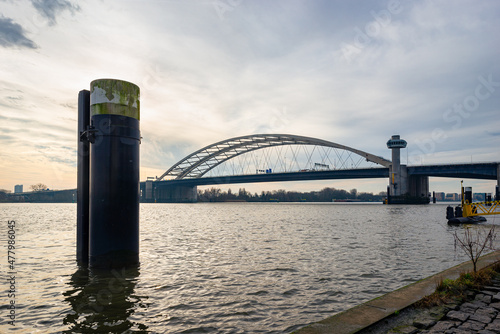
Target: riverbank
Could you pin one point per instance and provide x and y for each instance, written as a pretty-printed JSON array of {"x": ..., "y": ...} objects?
[
  {"x": 476, "y": 310},
  {"x": 396, "y": 309}
]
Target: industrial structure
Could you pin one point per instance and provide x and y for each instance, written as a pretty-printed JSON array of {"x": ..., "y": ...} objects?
[
  {"x": 404, "y": 188},
  {"x": 407, "y": 184}
]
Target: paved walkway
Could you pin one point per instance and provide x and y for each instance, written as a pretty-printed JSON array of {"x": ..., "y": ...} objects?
[{"x": 480, "y": 315}]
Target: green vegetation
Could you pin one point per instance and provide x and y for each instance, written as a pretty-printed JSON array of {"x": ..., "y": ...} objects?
[
  {"x": 455, "y": 291},
  {"x": 473, "y": 242},
  {"x": 324, "y": 195},
  {"x": 3, "y": 195}
]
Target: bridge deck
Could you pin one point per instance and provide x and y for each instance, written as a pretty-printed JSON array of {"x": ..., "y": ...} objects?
[
  {"x": 485, "y": 171},
  {"x": 279, "y": 177}
]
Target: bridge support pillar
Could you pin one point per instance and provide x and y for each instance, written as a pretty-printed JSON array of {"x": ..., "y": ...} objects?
[
  {"x": 404, "y": 189},
  {"x": 148, "y": 191},
  {"x": 403, "y": 180},
  {"x": 397, "y": 186},
  {"x": 497, "y": 190},
  {"x": 175, "y": 194},
  {"x": 418, "y": 187}
]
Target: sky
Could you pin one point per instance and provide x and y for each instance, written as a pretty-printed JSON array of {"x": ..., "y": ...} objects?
[{"x": 354, "y": 73}]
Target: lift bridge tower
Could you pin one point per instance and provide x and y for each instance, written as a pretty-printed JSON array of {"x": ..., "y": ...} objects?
[
  {"x": 402, "y": 188},
  {"x": 397, "y": 184}
]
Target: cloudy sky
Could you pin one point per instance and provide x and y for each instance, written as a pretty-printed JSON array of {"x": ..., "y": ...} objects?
[{"x": 354, "y": 73}]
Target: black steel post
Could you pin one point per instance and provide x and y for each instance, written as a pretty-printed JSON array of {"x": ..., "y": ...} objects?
[
  {"x": 82, "y": 192},
  {"x": 114, "y": 176},
  {"x": 468, "y": 194}
]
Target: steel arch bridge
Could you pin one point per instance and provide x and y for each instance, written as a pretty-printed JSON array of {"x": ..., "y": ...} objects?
[{"x": 202, "y": 161}]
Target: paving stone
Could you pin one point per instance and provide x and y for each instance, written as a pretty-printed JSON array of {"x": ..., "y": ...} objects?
[
  {"x": 487, "y": 299},
  {"x": 453, "y": 306},
  {"x": 470, "y": 305},
  {"x": 457, "y": 315},
  {"x": 485, "y": 331},
  {"x": 487, "y": 311},
  {"x": 480, "y": 314},
  {"x": 424, "y": 323},
  {"x": 467, "y": 307},
  {"x": 472, "y": 325},
  {"x": 460, "y": 331},
  {"x": 494, "y": 326},
  {"x": 439, "y": 331},
  {"x": 483, "y": 298},
  {"x": 442, "y": 326},
  {"x": 489, "y": 293},
  {"x": 481, "y": 318},
  {"x": 496, "y": 298},
  {"x": 463, "y": 331},
  {"x": 404, "y": 330},
  {"x": 479, "y": 303}
]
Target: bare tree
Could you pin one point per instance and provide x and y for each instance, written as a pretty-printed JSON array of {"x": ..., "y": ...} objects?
[
  {"x": 474, "y": 242},
  {"x": 38, "y": 187}
]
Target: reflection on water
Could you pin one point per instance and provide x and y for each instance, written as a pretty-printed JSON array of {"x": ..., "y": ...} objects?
[
  {"x": 223, "y": 268},
  {"x": 103, "y": 301}
]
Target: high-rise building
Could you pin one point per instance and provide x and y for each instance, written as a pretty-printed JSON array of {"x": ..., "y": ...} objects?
[
  {"x": 18, "y": 188},
  {"x": 479, "y": 197},
  {"x": 440, "y": 196}
]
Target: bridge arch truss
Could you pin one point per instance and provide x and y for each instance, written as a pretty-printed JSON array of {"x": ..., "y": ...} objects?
[{"x": 199, "y": 163}]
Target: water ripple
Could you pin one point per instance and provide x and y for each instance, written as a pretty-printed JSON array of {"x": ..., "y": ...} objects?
[{"x": 217, "y": 268}]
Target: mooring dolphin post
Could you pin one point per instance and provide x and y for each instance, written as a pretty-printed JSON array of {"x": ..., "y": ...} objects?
[{"x": 114, "y": 138}]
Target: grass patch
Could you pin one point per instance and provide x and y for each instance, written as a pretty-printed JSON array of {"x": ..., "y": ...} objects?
[{"x": 455, "y": 291}]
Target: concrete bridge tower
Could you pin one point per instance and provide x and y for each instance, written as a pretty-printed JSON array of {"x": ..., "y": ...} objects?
[{"x": 398, "y": 178}]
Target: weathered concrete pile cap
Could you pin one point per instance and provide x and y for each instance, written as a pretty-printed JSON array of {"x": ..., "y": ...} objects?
[{"x": 114, "y": 97}]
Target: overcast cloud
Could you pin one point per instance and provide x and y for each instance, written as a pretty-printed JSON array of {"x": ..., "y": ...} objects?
[
  {"x": 13, "y": 35},
  {"x": 51, "y": 8},
  {"x": 354, "y": 73}
]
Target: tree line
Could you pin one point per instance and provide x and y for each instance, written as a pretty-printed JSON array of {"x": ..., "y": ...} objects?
[{"x": 324, "y": 195}]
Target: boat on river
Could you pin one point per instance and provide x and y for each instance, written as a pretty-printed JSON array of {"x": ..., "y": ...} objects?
[{"x": 466, "y": 220}]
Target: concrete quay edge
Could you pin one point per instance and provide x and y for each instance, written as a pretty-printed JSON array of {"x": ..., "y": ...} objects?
[{"x": 364, "y": 315}]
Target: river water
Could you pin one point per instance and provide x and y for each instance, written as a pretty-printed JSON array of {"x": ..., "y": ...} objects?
[{"x": 219, "y": 267}]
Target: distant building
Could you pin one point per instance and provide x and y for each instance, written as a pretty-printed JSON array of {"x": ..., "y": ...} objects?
[
  {"x": 452, "y": 197},
  {"x": 440, "y": 196},
  {"x": 478, "y": 197},
  {"x": 18, "y": 188}
]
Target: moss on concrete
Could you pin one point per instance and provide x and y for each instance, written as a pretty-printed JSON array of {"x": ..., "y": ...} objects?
[{"x": 116, "y": 97}]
